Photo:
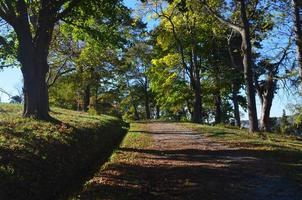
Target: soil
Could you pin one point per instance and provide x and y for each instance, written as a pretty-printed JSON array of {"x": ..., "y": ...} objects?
[{"x": 183, "y": 164}]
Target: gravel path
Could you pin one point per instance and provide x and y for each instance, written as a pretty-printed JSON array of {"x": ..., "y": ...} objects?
[{"x": 182, "y": 164}]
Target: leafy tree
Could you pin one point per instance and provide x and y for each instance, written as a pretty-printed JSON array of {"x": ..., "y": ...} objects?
[
  {"x": 138, "y": 61},
  {"x": 246, "y": 18},
  {"x": 179, "y": 33},
  {"x": 33, "y": 23}
]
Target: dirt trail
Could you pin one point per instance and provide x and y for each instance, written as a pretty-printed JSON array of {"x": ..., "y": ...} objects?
[{"x": 182, "y": 164}]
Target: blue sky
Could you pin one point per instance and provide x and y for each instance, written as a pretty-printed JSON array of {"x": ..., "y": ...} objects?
[{"x": 11, "y": 81}]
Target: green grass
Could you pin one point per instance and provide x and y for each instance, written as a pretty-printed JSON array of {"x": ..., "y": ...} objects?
[
  {"x": 42, "y": 160},
  {"x": 242, "y": 138},
  {"x": 135, "y": 139},
  {"x": 283, "y": 151}
]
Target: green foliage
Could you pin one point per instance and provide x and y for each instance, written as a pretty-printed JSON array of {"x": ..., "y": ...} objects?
[
  {"x": 172, "y": 91},
  {"x": 285, "y": 126},
  {"x": 43, "y": 160}
]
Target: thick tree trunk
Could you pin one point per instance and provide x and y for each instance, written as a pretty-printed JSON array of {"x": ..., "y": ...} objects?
[
  {"x": 35, "y": 94},
  {"x": 266, "y": 105},
  {"x": 32, "y": 54},
  {"x": 218, "y": 111},
  {"x": 297, "y": 9},
  {"x": 86, "y": 99},
  {"x": 248, "y": 71},
  {"x": 197, "y": 109},
  {"x": 147, "y": 107},
  {"x": 266, "y": 91},
  {"x": 34, "y": 69}
]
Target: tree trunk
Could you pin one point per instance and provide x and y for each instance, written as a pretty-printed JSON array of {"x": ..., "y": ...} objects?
[
  {"x": 236, "y": 60},
  {"x": 34, "y": 68},
  {"x": 197, "y": 109},
  {"x": 35, "y": 94},
  {"x": 235, "y": 92},
  {"x": 147, "y": 105},
  {"x": 79, "y": 100},
  {"x": 195, "y": 82},
  {"x": 265, "y": 112},
  {"x": 136, "y": 115},
  {"x": 157, "y": 112},
  {"x": 248, "y": 71},
  {"x": 218, "y": 111},
  {"x": 298, "y": 31},
  {"x": 86, "y": 99},
  {"x": 32, "y": 54},
  {"x": 266, "y": 91}
]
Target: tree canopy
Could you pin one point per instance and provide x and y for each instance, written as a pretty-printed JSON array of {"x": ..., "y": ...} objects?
[{"x": 206, "y": 60}]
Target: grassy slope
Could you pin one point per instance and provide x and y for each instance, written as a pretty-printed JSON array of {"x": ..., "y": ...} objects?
[
  {"x": 40, "y": 160},
  {"x": 133, "y": 140},
  {"x": 282, "y": 150}
]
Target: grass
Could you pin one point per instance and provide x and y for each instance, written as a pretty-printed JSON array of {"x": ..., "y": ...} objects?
[
  {"x": 42, "y": 160},
  {"x": 242, "y": 138},
  {"x": 135, "y": 139},
  {"x": 284, "y": 151}
]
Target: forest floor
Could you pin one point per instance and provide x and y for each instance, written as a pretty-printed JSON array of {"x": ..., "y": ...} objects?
[{"x": 184, "y": 161}]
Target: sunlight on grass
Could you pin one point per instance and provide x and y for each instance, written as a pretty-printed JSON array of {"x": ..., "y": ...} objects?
[
  {"x": 284, "y": 151},
  {"x": 36, "y": 154},
  {"x": 133, "y": 140},
  {"x": 242, "y": 138}
]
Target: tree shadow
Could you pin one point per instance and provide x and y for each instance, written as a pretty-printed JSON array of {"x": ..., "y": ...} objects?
[
  {"x": 54, "y": 168},
  {"x": 229, "y": 174}
]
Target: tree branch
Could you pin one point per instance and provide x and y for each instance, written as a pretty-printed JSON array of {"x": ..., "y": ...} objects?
[
  {"x": 68, "y": 9},
  {"x": 228, "y": 23}
]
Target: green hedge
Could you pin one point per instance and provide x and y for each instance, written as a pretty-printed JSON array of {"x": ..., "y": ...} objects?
[{"x": 40, "y": 160}]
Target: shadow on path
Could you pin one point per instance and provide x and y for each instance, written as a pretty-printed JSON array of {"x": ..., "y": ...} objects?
[{"x": 184, "y": 165}]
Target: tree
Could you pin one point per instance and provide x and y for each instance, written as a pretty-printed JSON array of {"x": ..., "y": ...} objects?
[
  {"x": 234, "y": 45},
  {"x": 33, "y": 23},
  {"x": 138, "y": 61},
  {"x": 246, "y": 48},
  {"x": 179, "y": 31},
  {"x": 267, "y": 74},
  {"x": 297, "y": 11},
  {"x": 247, "y": 20}
]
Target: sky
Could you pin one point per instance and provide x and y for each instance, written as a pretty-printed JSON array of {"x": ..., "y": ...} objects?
[{"x": 11, "y": 81}]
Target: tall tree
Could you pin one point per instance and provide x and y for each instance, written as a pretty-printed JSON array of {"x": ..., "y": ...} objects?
[
  {"x": 234, "y": 45},
  {"x": 33, "y": 23},
  {"x": 180, "y": 32},
  {"x": 297, "y": 10},
  {"x": 247, "y": 18}
]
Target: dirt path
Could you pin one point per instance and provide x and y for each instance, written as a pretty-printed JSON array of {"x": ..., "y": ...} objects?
[{"x": 182, "y": 164}]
